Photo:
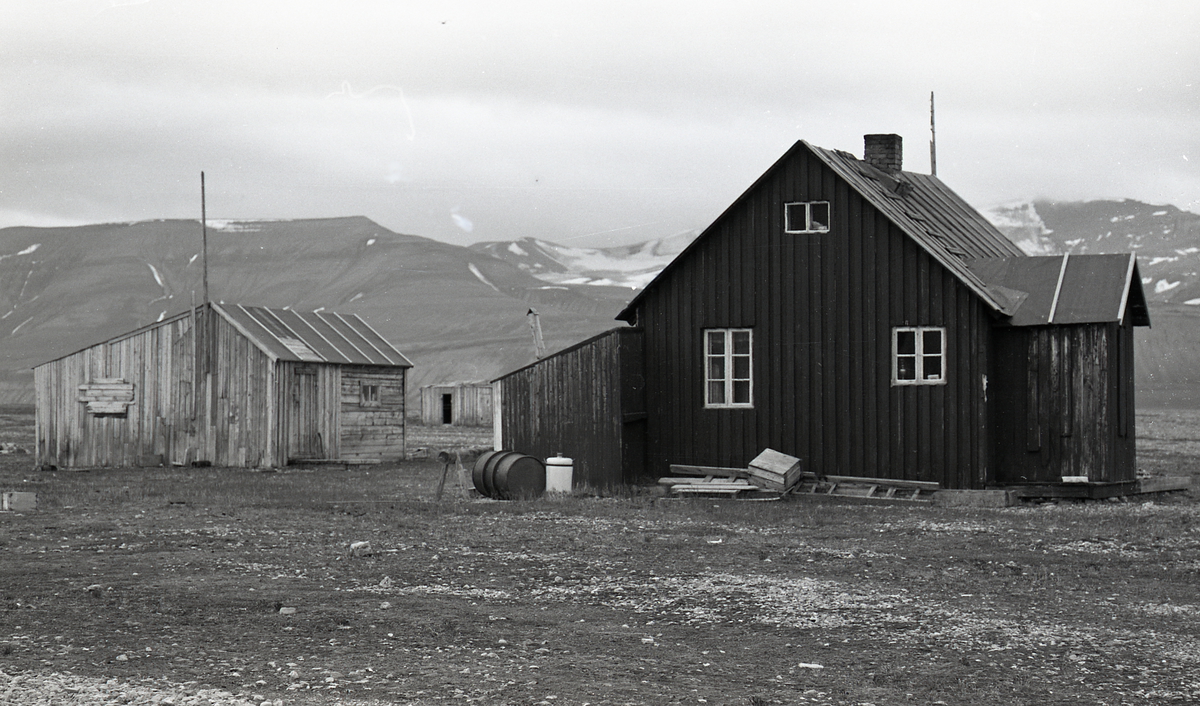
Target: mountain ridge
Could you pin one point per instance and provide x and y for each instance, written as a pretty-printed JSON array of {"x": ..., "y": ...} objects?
[{"x": 460, "y": 312}]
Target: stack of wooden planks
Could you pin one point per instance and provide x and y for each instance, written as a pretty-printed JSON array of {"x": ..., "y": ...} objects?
[{"x": 708, "y": 480}]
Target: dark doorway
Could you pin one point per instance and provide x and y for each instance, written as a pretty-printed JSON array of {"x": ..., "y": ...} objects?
[{"x": 447, "y": 409}]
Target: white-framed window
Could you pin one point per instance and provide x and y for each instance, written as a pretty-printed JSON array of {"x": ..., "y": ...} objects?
[
  {"x": 806, "y": 217},
  {"x": 728, "y": 358},
  {"x": 370, "y": 395},
  {"x": 918, "y": 355}
]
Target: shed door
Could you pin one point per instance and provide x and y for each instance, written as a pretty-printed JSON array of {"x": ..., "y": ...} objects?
[{"x": 304, "y": 438}]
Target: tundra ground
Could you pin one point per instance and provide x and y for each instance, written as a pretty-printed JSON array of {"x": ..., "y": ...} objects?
[{"x": 186, "y": 580}]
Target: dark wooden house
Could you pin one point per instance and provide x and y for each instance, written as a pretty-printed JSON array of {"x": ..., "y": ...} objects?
[
  {"x": 870, "y": 322},
  {"x": 229, "y": 385},
  {"x": 461, "y": 404}
]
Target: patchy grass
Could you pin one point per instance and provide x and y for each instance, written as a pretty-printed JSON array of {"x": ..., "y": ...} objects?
[{"x": 167, "y": 574}]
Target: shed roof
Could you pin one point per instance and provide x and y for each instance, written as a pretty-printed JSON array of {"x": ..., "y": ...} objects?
[
  {"x": 318, "y": 336},
  {"x": 920, "y": 205},
  {"x": 1069, "y": 289}
]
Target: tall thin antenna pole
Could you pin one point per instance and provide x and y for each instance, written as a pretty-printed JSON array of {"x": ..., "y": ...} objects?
[
  {"x": 204, "y": 231},
  {"x": 932, "y": 139}
]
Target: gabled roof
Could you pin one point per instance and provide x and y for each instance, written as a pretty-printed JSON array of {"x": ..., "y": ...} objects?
[
  {"x": 318, "y": 337},
  {"x": 1069, "y": 289},
  {"x": 920, "y": 205}
]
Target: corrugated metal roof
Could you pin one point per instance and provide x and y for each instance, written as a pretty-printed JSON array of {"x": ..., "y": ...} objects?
[
  {"x": 1069, "y": 289},
  {"x": 931, "y": 214},
  {"x": 319, "y": 337}
]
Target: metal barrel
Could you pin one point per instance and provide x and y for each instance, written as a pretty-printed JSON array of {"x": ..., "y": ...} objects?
[
  {"x": 518, "y": 476},
  {"x": 480, "y": 474}
]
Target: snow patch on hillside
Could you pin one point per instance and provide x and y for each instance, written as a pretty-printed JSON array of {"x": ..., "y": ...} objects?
[
  {"x": 27, "y": 251},
  {"x": 480, "y": 276},
  {"x": 157, "y": 277},
  {"x": 1023, "y": 226},
  {"x": 1164, "y": 286},
  {"x": 226, "y": 226}
]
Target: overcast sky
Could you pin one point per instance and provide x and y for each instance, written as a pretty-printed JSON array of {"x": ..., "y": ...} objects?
[{"x": 586, "y": 123}]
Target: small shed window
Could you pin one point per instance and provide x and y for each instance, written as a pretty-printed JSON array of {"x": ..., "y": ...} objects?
[
  {"x": 918, "y": 355},
  {"x": 370, "y": 395},
  {"x": 728, "y": 380},
  {"x": 806, "y": 217}
]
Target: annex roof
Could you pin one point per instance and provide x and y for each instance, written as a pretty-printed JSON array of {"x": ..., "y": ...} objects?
[
  {"x": 1069, "y": 289},
  {"x": 318, "y": 336},
  {"x": 920, "y": 205}
]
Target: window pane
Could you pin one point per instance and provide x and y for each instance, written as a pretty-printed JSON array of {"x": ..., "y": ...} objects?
[
  {"x": 931, "y": 342},
  {"x": 933, "y": 367},
  {"x": 819, "y": 215},
  {"x": 741, "y": 392},
  {"x": 741, "y": 343},
  {"x": 906, "y": 342},
  {"x": 716, "y": 368},
  {"x": 716, "y": 393},
  {"x": 741, "y": 368},
  {"x": 795, "y": 216},
  {"x": 716, "y": 342},
  {"x": 906, "y": 368}
]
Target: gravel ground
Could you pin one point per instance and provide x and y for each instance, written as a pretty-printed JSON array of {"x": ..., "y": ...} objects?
[{"x": 57, "y": 689}]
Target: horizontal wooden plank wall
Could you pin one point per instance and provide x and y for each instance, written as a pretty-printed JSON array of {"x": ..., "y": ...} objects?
[
  {"x": 821, "y": 307},
  {"x": 1060, "y": 397},
  {"x": 372, "y": 432},
  {"x": 572, "y": 403}
]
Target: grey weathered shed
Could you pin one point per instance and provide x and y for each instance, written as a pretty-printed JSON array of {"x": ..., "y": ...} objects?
[
  {"x": 463, "y": 404},
  {"x": 229, "y": 385}
]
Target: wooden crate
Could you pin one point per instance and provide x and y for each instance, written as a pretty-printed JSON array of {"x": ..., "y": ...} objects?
[{"x": 775, "y": 470}]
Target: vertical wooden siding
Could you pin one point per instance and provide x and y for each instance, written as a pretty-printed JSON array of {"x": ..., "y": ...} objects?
[
  {"x": 471, "y": 404},
  {"x": 1061, "y": 392},
  {"x": 372, "y": 432},
  {"x": 238, "y": 416},
  {"x": 226, "y": 423},
  {"x": 584, "y": 403},
  {"x": 307, "y": 412},
  {"x": 157, "y": 426},
  {"x": 822, "y": 307}
]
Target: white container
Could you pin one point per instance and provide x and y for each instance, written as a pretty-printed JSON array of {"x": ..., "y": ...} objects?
[{"x": 558, "y": 474}]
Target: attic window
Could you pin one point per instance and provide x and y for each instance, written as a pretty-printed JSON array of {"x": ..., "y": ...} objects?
[{"x": 806, "y": 217}]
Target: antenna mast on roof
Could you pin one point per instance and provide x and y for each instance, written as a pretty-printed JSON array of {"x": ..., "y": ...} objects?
[
  {"x": 932, "y": 139},
  {"x": 204, "y": 236}
]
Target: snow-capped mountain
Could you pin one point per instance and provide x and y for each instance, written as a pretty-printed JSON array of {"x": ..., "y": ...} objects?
[
  {"x": 1165, "y": 238},
  {"x": 630, "y": 266}
]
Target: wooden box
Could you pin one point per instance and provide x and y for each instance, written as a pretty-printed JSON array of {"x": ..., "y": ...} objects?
[{"x": 775, "y": 470}]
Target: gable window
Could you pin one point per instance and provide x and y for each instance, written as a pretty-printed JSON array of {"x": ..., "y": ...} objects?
[
  {"x": 806, "y": 217},
  {"x": 370, "y": 395},
  {"x": 727, "y": 368},
  {"x": 918, "y": 355}
]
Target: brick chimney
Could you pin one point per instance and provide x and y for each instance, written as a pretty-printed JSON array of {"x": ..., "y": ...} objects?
[{"x": 884, "y": 152}]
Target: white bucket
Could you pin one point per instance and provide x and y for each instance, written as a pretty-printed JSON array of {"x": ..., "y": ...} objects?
[{"x": 558, "y": 474}]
